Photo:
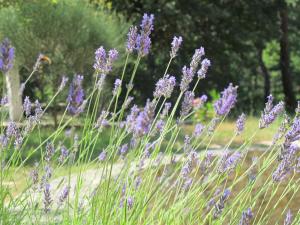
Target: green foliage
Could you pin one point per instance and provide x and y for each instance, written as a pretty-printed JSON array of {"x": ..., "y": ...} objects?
[{"x": 67, "y": 31}]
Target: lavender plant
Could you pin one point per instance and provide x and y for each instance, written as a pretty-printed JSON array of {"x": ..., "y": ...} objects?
[{"x": 146, "y": 173}]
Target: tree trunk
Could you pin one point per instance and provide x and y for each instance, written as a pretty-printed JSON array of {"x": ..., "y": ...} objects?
[
  {"x": 286, "y": 79},
  {"x": 265, "y": 73},
  {"x": 14, "y": 95}
]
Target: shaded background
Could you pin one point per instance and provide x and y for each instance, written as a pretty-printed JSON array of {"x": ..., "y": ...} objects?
[{"x": 253, "y": 44}]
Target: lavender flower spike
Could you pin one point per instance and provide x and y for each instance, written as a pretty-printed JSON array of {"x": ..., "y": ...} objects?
[
  {"x": 76, "y": 94},
  {"x": 187, "y": 103},
  {"x": 240, "y": 124},
  {"x": 131, "y": 39},
  {"x": 175, "y": 46},
  {"x": 246, "y": 217},
  {"x": 288, "y": 218},
  {"x": 143, "y": 41},
  {"x": 187, "y": 77},
  {"x": 117, "y": 87},
  {"x": 196, "y": 58},
  {"x": 204, "y": 67},
  {"x": 7, "y": 54},
  {"x": 47, "y": 198},
  {"x": 227, "y": 100},
  {"x": 270, "y": 113},
  {"x": 27, "y": 106},
  {"x": 164, "y": 87},
  {"x": 64, "y": 194}
]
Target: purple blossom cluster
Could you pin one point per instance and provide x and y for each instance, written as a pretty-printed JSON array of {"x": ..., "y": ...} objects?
[
  {"x": 176, "y": 43},
  {"x": 229, "y": 162},
  {"x": 7, "y": 54},
  {"x": 227, "y": 100},
  {"x": 187, "y": 103},
  {"x": 240, "y": 123},
  {"x": 103, "y": 62},
  {"x": 164, "y": 87},
  {"x": 219, "y": 206},
  {"x": 76, "y": 95},
  {"x": 246, "y": 218},
  {"x": 270, "y": 113}
]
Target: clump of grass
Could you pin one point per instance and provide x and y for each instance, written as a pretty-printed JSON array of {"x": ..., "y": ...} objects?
[{"x": 151, "y": 169}]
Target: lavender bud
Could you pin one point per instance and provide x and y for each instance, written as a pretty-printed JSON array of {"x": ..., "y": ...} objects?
[
  {"x": 187, "y": 77},
  {"x": 131, "y": 39},
  {"x": 246, "y": 217},
  {"x": 27, "y": 106},
  {"x": 187, "y": 103},
  {"x": 288, "y": 218},
  {"x": 64, "y": 194},
  {"x": 47, "y": 198},
  {"x": 240, "y": 124},
  {"x": 63, "y": 83},
  {"x": 205, "y": 64},
  {"x": 227, "y": 100},
  {"x": 175, "y": 46},
  {"x": 198, "y": 130},
  {"x": 102, "y": 156},
  {"x": 7, "y": 54},
  {"x": 165, "y": 86},
  {"x": 196, "y": 59},
  {"x": 76, "y": 95},
  {"x": 117, "y": 87}
]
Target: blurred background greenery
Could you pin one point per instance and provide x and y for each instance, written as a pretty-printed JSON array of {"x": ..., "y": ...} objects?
[{"x": 253, "y": 44}]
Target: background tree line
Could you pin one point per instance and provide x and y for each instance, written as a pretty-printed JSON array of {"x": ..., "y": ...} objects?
[{"x": 253, "y": 44}]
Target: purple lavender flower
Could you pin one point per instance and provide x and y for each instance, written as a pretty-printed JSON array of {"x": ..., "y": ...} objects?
[
  {"x": 47, "y": 198},
  {"x": 102, "y": 156},
  {"x": 138, "y": 182},
  {"x": 131, "y": 39},
  {"x": 187, "y": 184},
  {"x": 246, "y": 217},
  {"x": 64, "y": 194},
  {"x": 130, "y": 202},
  {"x": 27, "y": 106},
  {"x": 117, "y": 87},
  {"x": 198, "y": 129},
  {"x": 35, "y": 175},
  {"x": 219, "y": 206},
  {"x": 165, "y": 110},
  {"x": 100, "y": 60},
  {"x": 7, "y": 54},
  {"x": 50, "y": 150},
  {"x": 187, "y": 77},
  {"x": 18, "y": 142},
  {"x": 144, "y": 120},
  {"x": 240, "y": 124},
  {"x": 187, "y": 103},
  {"x": 12, "y": 130},
  {"x": 160, "y": 125},
  {"x": 63, "y": 83},
  {"x": 38, "y": 111},
  {"x": 293, "y": 133},
  {"x": 103, "y": 63},
  {"x": 131, "y": 118},
  {"x": 165, "y": 86},
  {"x": 175, "y": 46},
  {"x": 128, "y": 102},
  {"x": 76, "y": 95},
  {"x": 4, "y": 100},
  {"x": 285, "y": 167},
  {"x": 143, "y": 41},
  {"x": 196, "y": 58},
  {"x": 64, "y": 152},
  {"x": 206, "y": 163},
  {"x": 3, "y": 141},
  {"x": 288, "y": 218},
  {"x": 48, "y": 172},
  {"x": 227, "y": 100},
  {"x": 228, "y": 163},
  {"x": 270, "y": 113},
  {"x": 123, "y": 150},
  {"x": 205, "y": 64}
]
